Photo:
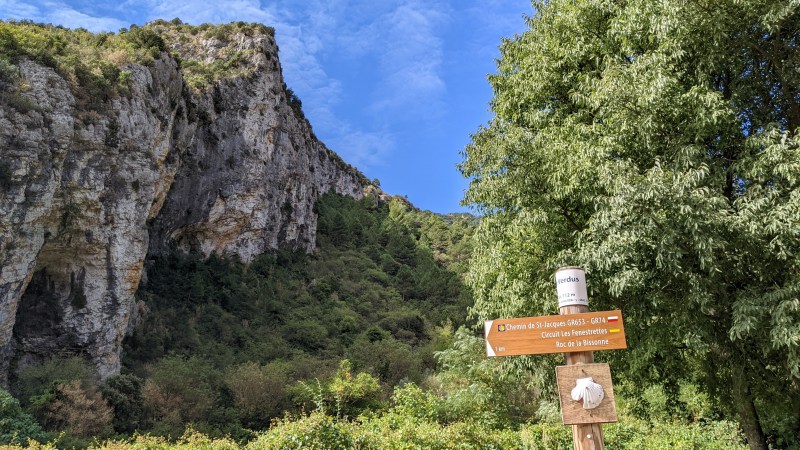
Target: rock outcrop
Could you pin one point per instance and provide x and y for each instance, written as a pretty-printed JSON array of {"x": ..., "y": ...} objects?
[{"x": 228, "y": 166}]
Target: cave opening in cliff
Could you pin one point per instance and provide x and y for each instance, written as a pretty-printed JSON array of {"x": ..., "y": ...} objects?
[{"x": 39, "y": 333}]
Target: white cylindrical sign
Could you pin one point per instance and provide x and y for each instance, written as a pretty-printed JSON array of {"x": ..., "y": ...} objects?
[{"x": 571, "y": 287}]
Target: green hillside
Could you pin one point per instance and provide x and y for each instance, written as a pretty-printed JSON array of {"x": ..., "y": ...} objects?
[{"x": 223, "y": 345}]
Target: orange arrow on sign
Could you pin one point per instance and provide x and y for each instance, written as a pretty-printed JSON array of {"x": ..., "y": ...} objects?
[{"x": 603, "y": 330}]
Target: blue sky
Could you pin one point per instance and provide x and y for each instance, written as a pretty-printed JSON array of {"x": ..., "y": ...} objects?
[{"x": 395, "y": 87}]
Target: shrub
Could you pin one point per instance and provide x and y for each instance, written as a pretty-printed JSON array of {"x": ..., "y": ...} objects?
[
  {"x": 79, "y": 410},
  {"x": 259, "y": 392},
  {"x": 411, "y": 401},
  {"x": 344, "y": 394},
  {"x": 145, "y": 38},
  {"x": 37, "y": 382},
  {"x": 390, "y": 431},
  {"x": 295, "y": 103},
  {"x": 21, "y": 102},
  {"x": 179, "y": 391},
  {"x": 16, "y": 425},
  {"x": 8, "y": 72},
  {"x": 317, "y": 431},
  {"x": 89, "y": 63},
  {"x": 124, "y": 394}
]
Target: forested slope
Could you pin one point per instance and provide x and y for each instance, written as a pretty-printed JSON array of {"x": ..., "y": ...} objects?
[{"x": 222, "y": 344}]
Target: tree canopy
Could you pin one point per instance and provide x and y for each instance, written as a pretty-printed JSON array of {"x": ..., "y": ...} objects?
[{"x": 655, "y": 143}]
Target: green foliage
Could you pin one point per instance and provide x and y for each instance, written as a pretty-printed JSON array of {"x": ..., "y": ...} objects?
[
  {"x": 294, "y": 103},
  {"x": 62, "y": 395},
  {"x": 637, "y": 434},
  {"x": 222, "y": 32},
  {"x": 36, "y": 383},
  {"x": 93, "y": 63},
  {"x": 16, "y": 425},
  {"x": 319, "y": 304},
  {"x": 316, "y": 431},
  {"x": 634, "y": 434},
  {"x": 89, "y": 62},
  {"x": 344, "y": 394},
  {"x": 635, "y": 139},
  {"x": 390, "y": 431},
  {"x": 147, "y": 39},
  {"x": 408, "y": 425},
  {"x": 124, "y": 394},
  {"x": 21, "y": 102},
  {"x": 179, "y": 391},
  {"x": 199, "y": 73},
  {"x": 413, "y": 422},
  {"x": 259, "y": 392},
  {"x": 475, "y": 387},
  {"x": 8, "y": 72}
]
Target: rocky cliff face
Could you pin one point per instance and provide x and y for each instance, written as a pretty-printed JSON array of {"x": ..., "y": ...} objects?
[{"x": 225, "y": 166}]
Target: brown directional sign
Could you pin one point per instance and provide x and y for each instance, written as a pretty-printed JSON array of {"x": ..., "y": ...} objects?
[
  {"x": 592, "y": 331},
  {"x": 574, "y": 411}
]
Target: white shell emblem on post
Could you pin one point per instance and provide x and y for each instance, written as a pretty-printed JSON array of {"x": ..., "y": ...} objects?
[
  {"x": 571, "y": 287},
  {"x": 590, "y": 392}
]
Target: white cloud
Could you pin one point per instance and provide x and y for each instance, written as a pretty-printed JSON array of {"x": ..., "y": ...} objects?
[
  {"x": 364, "y": 149},
  {"x": 299, "y": 55},
  {"x": 212, "y": 11},
  {"x": 411, "y": 60},
  {"x": 76, "y": 19},
  {"x": 15, "y": 10},
  {"x": 404, "y": 37},
  {"x": 497, "y": 18},
  {"x": 59, "y": 13}
]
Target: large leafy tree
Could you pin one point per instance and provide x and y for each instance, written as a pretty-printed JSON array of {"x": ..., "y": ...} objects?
[{"x": 655, "y": 143}]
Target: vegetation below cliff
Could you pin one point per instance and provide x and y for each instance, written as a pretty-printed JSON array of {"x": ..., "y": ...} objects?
[{"x": 222, "y": 345}]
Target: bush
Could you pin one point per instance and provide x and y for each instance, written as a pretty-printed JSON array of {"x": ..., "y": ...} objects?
[
  {"x": 259, "y": 392},
  {"x": 317, "y": 431},
  {"x": 79, "y": 410},
  {"x": 179, "y": 391},
  {"x": 294, "y": 103},
  {"x": 9, "y": 73},
  {"x": 89, "y": 63},
  {"x": 474, "y": 387},
  {"x": 16, "y": 425},
  {"x": 145, "y": 38},
  {"x": 635, "y": 434},
  {"x": 344, "y": 394},
  {"x": 386, "y": 432},
  {"x": 411, "y": 401},
  {"x": 21, "y": 102},
  {"x": 36, "y": 383},
  {"x": 124, "y": 394}
]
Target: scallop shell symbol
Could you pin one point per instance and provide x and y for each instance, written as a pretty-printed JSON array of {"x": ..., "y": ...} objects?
[{"x": 590, "y": 392}]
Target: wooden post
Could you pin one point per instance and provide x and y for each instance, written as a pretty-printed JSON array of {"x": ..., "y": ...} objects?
[{"x": 585, "y": 436}]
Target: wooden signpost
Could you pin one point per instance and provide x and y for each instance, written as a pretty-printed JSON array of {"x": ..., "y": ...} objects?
[
  {"x": 602, "y": 330},
  {"x": 585, "y": 389}
]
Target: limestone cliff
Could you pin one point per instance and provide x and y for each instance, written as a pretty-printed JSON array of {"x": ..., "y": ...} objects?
[{"x": 181, "y": 157}]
